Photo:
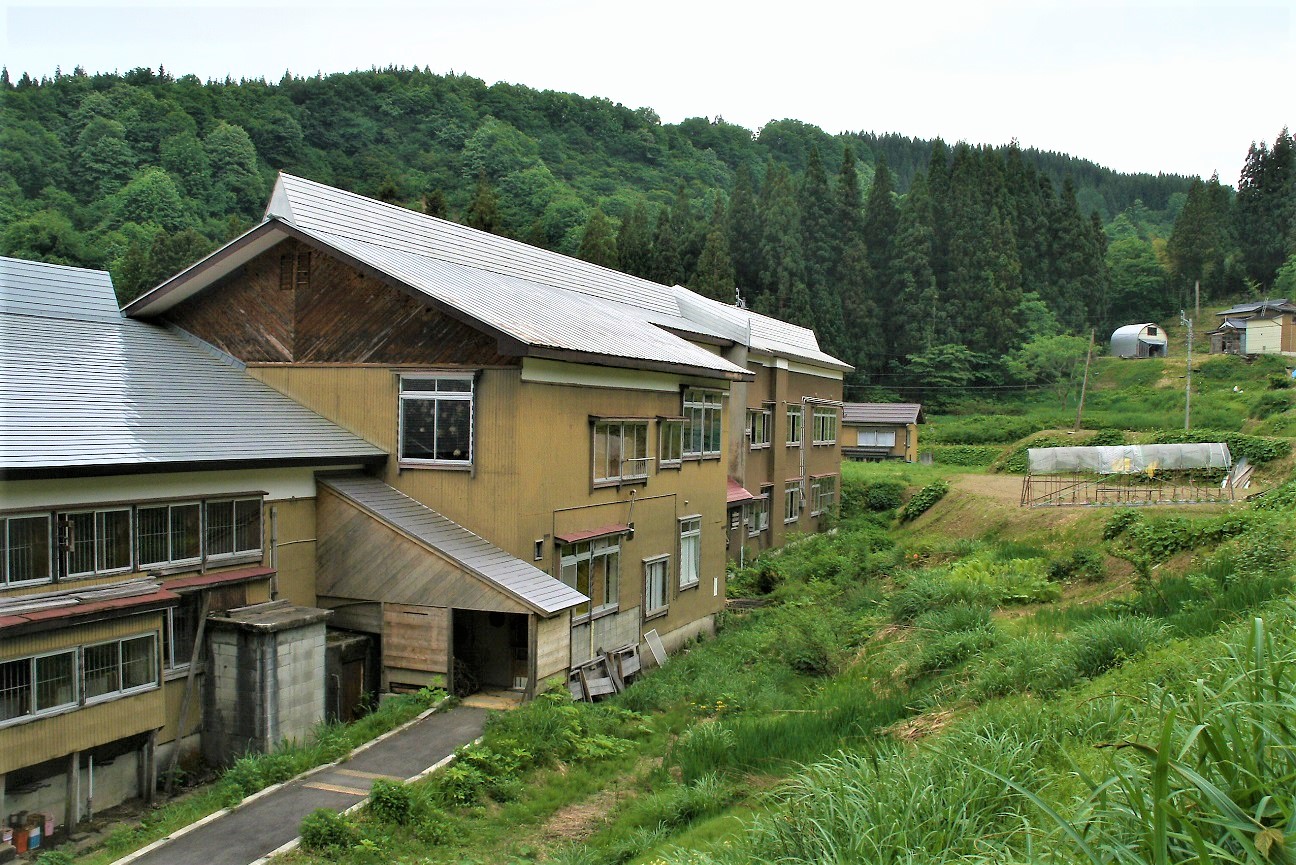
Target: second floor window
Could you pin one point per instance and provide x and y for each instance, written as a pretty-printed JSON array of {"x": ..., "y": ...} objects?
[
  {"x": 758, "y": 427},
  {"x": 168, "y": 534},
  {"x": 24, "y": 549},
  {"x": 794, "y": 422},
  {"x": 620, "y": 451},
  {"x": 670, "y": 451},
  {"x": 96, "y": 542},
  {"x": 436, "y": 417},
  {"x": 233, "y": 527},
  {"x": 702, "y": 410},
  {"x": 825, "y": 426}
]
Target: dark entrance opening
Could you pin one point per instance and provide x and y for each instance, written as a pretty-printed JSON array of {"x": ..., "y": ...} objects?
[{"x": 490, "y": 651}]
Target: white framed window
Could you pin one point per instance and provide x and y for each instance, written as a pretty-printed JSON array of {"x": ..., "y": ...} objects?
[
  {"x": 38, "y": 684},
  {"x": 233, "y": 528},
  {"x": 795, "y": 420},
  {"x": 791, "y": 501},
  {"x": 119, "y": 667},
  {"x": 758, "y": 516},
  {"x": 593, "y": 568},
  {"x": 758, "y": 427},
  {"x": 823, "y": 494},
  {"x": 656, "y": 583},
  {"x": 702, "y": 422},
  {"x": 875, "y": 437},
  {"x": 436, "y": 419},
  {"x": 168, "y": 534},
  {"x": 25, "y": 553},
  {"x": 96, "y": 541},
  {"x": 825, "y": 425},
  {"x": 620, "y": 451},
  {"x": 670, "y": 447},
  {"x": 690, "y": 571}
]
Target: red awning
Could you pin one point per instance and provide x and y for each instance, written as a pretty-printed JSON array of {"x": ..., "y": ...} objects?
[
  {"x": 241, "y": 575},
  {"x": 65, "y": 613},
  {"x": 591, "y": 534},
  {"x": 737, "y": 493}
]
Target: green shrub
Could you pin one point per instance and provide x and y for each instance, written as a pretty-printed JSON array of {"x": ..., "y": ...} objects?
[
  {"x": 1281, "y": 382},
  {"x": 923, "y": 500},
  {"x": 55, "y": 857},
  {"x": 324, "y": 830},
  {"x": 1281, "y": 498},
  {"x": 946, "y": 651},
  {"x": 1031, "y": 664},
  {"x": 1272, "y": 403},
  {"x": 884, "y": 495},
  {"x": 965, "y": 455},
  {"x": 1119, "y": 522},
  {"x": 1085, "y": 563},
  {"x": 391, "y": 802},
  {"x": 980, "y": 429},
  {"x": 1103, "y": 644}
]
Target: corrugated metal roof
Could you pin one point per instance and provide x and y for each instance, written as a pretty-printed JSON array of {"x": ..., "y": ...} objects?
[
  {"x": 83, "y": 388},
  {"x": 1277, "y": 304},
  {"x": 881, "y": 412},
  {"x": 476, "y": 555},
  {"x": 538, "y": 297}
]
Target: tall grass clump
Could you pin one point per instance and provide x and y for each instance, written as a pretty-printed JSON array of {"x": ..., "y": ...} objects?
[{"x": 1098, "y": 646}]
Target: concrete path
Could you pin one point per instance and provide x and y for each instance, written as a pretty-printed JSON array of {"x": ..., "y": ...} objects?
[{"x": 259, "y": 827}]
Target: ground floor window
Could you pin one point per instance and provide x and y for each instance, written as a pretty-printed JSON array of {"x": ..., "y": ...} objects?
[
  {"x": 823, "y": 494},
  {"x": 876, "y": 438},
  {"x": 31, "y": 686},
  {"x": 593, "y": 568},
  {"x": 656, "y": 580},
  {"x": 120, "y": 666},
  {"x": 690, "y": 551},
  {"x": 791, "y": 501}
]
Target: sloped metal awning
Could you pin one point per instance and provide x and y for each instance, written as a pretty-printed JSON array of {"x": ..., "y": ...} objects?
[
  {"x": 737, "y": 493},
  {"x": 431, "y": 561}
]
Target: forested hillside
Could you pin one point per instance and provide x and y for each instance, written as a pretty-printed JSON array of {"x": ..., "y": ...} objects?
[{"x": 907, "y": 256}]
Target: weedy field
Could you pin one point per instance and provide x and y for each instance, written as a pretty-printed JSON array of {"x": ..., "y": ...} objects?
[{"x": 1073, "y": 685}]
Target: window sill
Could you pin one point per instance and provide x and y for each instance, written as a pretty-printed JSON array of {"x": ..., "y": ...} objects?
[
  {"x": 180, "y": 671},
  {"x": 226, "y": 559},
  {"x": 698, "y": 458},
  {"x": 825, "y": 444},
  {"x": 763, "y": 447},
  {"x": 611, "y": 483},
  {"x": 601, "y": 612},
  {"x": 794, "y": 444},
  {"x": 418, "y": 464},
  {"x": 117, "y": 695},
  {"x": 790, "y": 522},
  {"x": 684, "y": 587},
  {"x": 656, "y": 614},
  {"x": 673, "y": 465}
]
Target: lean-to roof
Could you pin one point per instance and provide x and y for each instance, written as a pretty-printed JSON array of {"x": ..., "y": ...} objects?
[{"x": 882, "y": 412}]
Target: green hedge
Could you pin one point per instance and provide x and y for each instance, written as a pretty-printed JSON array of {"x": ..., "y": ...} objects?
[
  {"x": 980, "y": 429},
  {"x": 965, "y": 455},
  {"x": 924, "y": 499}
]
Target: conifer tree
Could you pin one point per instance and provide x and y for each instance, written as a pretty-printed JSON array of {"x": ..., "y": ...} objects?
[
  {"x": 745, "y": 233},
  {"x": 715, "y": 271},
  {"x": 665, "y": 266},
  {"x": 483, "y": 211},
  {"x": 634, "y": 244},
  {"x": 881, "y": 218},
  {"x": 819, "y": 240},
  {"x": 782, "y": 275},
  {"x": 915, "y": 332},
  {"x": 434, "y": 204},
  {"x": 689, "y": 232},
  {"x": 1201, "y": 245},
  {"x": 598, "y": 243},
  {"x": 1075, "y": 292},
  {"x": 1266, "y": 207}
]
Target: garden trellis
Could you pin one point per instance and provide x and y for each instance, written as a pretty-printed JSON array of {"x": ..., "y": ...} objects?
[{"x": 1129, "y": 475}]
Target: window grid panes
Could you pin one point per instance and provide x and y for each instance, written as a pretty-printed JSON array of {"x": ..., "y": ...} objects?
[
  {"x": 794, "y": 422},
  {"x": 98, "y": 542},
  {"x": 876, "y": 438},
  {"x": 825, "y": 426},
  {"x": 620, "y": 451},
  {"x": 24, "y": 549},
  {"x": 791, "y": 501},
  {"x": 102, "y": 673},
  {"x": 656, "y": 579},
  {"x": 436, "y": 417},
  {"x": 15, "y": 689},
  {"x": 168, "y": 534},
  {"x": 233, "y": 527},
  {"x": 55, "y": 681},
  {"x": 593, "y": 568},
  {"x": 758, "y": 427},
  {"x": 823, "y": 494},
  {"x": 690, "y": 551},
  {"x": 702, "y": 423},
  {"x": 671, "y": 448}
]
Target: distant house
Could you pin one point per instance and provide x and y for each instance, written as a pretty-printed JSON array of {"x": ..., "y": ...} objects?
[
  {"x": 1138, "y": 340},
  {"x": 1257, "y": 327},
  {"x": 875, "y": 431}
]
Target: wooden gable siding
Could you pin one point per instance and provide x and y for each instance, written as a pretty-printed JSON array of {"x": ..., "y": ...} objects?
[
  {"x": 245, "y": 314},
  {"x": 338, "y": 315},
  {"x": 361, "y": 558}
]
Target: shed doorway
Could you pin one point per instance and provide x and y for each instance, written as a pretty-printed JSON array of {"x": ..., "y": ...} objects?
[{"x": 490, "y": 651}]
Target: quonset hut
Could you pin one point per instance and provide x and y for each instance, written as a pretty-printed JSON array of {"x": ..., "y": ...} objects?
[{"x": 1138, "y": 340}]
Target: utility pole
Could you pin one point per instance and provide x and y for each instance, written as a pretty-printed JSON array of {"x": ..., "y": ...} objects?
[
  {"x": 1184, "y": 319},
  {"x": 1084, "y": 385},
  {"x": 1196, "y": 299}
]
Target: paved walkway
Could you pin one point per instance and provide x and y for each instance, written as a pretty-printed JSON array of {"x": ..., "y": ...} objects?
[{"x": 257, "y": 828}]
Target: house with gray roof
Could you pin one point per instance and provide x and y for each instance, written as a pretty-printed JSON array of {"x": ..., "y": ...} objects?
[
  {"x": 875, "y": 431},
  {"x": 562, "y": 438},
  {"x": 1256, "y": 327}
]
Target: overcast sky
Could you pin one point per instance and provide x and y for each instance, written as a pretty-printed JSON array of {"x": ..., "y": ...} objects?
[{"x": 1180, "y": 87}]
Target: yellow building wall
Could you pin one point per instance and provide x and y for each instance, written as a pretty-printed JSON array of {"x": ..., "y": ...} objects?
[{"x": 47, "y": 737}]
